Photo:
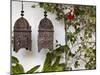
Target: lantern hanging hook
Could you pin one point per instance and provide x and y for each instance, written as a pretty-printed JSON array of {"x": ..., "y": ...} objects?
[{"x": 22, "y": 11}]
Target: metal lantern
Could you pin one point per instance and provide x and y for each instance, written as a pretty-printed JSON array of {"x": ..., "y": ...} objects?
[
  {"x": 45, "y": 34},
  {"x": 22, "y": 33}
]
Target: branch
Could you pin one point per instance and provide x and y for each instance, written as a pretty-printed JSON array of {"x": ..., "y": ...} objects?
[
  {"x": 81, "y": 43},
  {"x": 77, "y": 57}
]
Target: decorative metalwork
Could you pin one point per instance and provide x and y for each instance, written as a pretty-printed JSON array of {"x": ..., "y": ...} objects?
[
  {"x": 22, "y": 33},
  {"x": 46, "y": 34}
]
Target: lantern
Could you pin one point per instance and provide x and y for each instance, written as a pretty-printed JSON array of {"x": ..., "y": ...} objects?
[
  {"x": 45, "y": 34},
  {"x": 22, "y": 33}
]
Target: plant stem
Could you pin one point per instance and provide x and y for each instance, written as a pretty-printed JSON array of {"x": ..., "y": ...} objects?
[{"x": 66, "y": 54}]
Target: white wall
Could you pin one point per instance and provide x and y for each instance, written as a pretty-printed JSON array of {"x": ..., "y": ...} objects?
[
  {"x": 32, "y": 58},
  {"x": 5, "y": 37}
]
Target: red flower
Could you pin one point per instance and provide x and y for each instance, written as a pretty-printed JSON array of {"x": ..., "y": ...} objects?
[{"x": 70, "y": 16}]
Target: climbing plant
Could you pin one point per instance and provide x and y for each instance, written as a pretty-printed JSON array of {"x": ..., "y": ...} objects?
[
  {"x": 80, "y": 33},
  {"x": 79, "y": 23}
]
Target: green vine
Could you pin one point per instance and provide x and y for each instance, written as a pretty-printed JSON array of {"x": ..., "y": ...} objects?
[
  {"x": 81, "y": 39},
  {"x": 83, "y": 21}
]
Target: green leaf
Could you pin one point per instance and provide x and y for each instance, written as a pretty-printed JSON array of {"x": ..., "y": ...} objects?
[
  {"x": 56, "y": 63},
  {"x": 66, "y": 48},
  {"x": 14, "y": 60},
  {"x": 61, "y": 67},
  {"x": 71, "y": 54},
  {"x": 33, "y": 69},
  {"x": 59, "y": 51},
  {"x": 71, "y": 37},
  {"x": 78, "y": 30},
  {"x": 18, "y": 69},
  {"x": 48, "y": 61}
]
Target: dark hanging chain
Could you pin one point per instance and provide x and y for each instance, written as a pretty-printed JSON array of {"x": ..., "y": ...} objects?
[
  {"x": 22, "y": 11},
  {"x": 45, "y": 14}
]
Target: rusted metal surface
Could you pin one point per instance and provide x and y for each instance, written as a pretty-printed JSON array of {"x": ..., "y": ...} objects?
[
  {"x": 45, "y": 34},
  {"x": 22, "y": 34}
]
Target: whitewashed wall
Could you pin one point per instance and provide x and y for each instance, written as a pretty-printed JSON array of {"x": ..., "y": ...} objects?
[{"x": 32, "y": 58}]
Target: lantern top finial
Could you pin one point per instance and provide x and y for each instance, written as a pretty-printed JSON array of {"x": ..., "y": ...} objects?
[
  {"x": 22, "y": 11},
  {"x": 45, "y": 14}
]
